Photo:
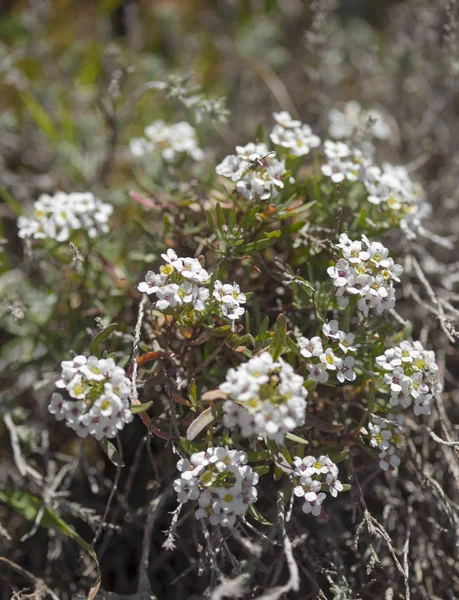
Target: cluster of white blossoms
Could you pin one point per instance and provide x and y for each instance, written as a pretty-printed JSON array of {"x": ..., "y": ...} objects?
[
  {"x": 313, "y": 477},
  {"x": 257, "y": 174},
  {"x": 265, "y": 398},
  {"x": 365, "y": 270},
  {"x": 391, "y": 188},
  {"x": 99, "y": 392},
  {"x": 221, "y": 481},
  {"x": 331, "y": 356},
  {"x": 183, "y": 282},
  {"x": 412, "y": 374},
  {"x": 354, "y": 121},
  {"x": 58, "y": 216},
  {"x": 294, "y": 135},
  {"x": 343, "y": 162},
  {"x": 171, "y": 141},
  {"x": 386, "y": 435}
]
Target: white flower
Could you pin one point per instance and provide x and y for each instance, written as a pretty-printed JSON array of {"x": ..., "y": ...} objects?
[
  {"x": 366, "y": 270},
  {"x": 353, "y": 120},
  {"x": 58, "y": 216},
  {"x": 168, "y": 297},
  {"x": 284, "y": 119},
  {"x": 318, "y": 373},
  {"x": 232, "y": 167},
  {"x": 250, "y": 384},
  {"x": 346, "y": 341},
  {"x": 152, "y": 283},
  {"x": 102, "y": 393},
  {"x": 168, "y": 140},
  {"x": 221, "y": 503},
  {"x": 331, "y": 330},
  {"x": 345, "y": 371},
  {"x": 330, "y": 361},
  {"x": 252, "y": 151},
  {"x": 312, "y": 347},
  {"x": 293, "y": 135},
  {"x": 56, "y": 407},
  {"x": 311, "y": 475}
]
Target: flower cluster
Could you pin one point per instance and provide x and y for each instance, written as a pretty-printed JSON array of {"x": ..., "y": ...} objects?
[
  {"x": 329, "y": 356},
  {"x": 412, "y": 374},
  {"x": 266, "y": 398},
  {"x": 222, "y": 483},
  {"x": 99, "y": 392},
  {"x": 171, "y": 141},
  {"x": 183, "y": 282},
  {"x": 294, "y": 135},
  {"x": 353, "y": 121},
  {"x": 365, "y": 270},
  {"x": 258, "y": 175},
  {"x": 343, "y": 162},
  {"x": 386, "y": 435},
  {"x": 58, "y": 216},
  {"x": 391, "y": 188},
  {"x": 312, "y": 478}
]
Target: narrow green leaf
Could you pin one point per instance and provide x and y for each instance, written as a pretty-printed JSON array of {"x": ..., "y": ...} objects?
[
  {"x": 232, "y": 218},
  {"x": 207, "y": 417},
  {"x": 296, "y": 438},
  {"x": 213, "y": 227},
  {"x": 193, "y": 395},
  {"x": 111, "y": 452},
  {"x": 273, "y": 234},
  {"x": 258, "y": 245},
  {"x": 100, "y": 337},
  {"x": 250, "y": 217},
  {"x": 40, "y": 116},
  {"x": 256, "y": 514},
  {"x": 29, "y": 506},
  {"x": 140, "y": 408},
  {"x": 278, "y": 341},
  {"x": 11, "y": 201},
  {"x": 220, "y": 215}
]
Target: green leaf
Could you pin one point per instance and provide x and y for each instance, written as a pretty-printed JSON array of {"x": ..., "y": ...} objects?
[
  {"x": 255, "y": 456},
  {"x": 260, "y": 244},
  {"x": 111, "y": 452},
  {"x": 207, "y": 417},
  {"x": 256, "y": 514},
  {"x": 193, "y": 395},
  {"x": 232, "y": 219},
  {"x": 296, "y": 438},
  {"x": 11, "y": 201},
  {"x": 213, "y": 227},
  {"x": 191, "y": 447},
  {"x": 140, "y": 408},
  {"x": 219, "y": 331},
  {"x": 261, "y": 469},
  {"x": 40, "y": 116},
  {"x": 29, "y": 506},
  {"x": 250, "y": 217},
  {"x": 100, "y": 337},
  {"x": 278, "y": 341},
  {"x": 338, "y": 457},
  {"x": 220, "y": 215},
  {"x": 273, "y": 234}
]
